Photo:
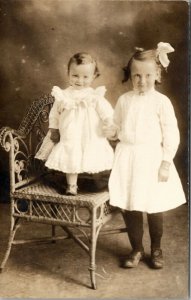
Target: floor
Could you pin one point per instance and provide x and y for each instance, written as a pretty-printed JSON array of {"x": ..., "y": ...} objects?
[{"x": 60, "y": 270}]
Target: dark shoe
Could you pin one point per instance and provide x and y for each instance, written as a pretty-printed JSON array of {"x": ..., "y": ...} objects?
[
  {"x": 133, "y": 259},
  {"x": 157, "y": 259}
]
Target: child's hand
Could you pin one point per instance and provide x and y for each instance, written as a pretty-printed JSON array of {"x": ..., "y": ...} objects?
[
  {"x": 109, "y": 132},
  {"x": 109, "y": 129},
  {"x": 54, "y": 135},
  {"x": 163, "y": 173}
]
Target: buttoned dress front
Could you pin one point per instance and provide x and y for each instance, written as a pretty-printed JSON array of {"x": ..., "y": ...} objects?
[{"x": 148, "y": 134}]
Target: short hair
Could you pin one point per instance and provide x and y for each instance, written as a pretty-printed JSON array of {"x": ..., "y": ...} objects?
[
  {"x": 142, "y": 55},
  {"x": 83, "y": 58}
]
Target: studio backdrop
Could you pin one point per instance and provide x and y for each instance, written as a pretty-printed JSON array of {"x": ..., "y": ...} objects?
[{"x": 38, "y": 38}]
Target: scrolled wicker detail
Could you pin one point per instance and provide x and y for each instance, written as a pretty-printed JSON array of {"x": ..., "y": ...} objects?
[
  {"x": 35, "y": 190},
  {"x": 44, "y": 116},
  {"x": 83, "y": 215},
  {"x": 21, "y": 206},
  {"x": 5, "y": 138}
]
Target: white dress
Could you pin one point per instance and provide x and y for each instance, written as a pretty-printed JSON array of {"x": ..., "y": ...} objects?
[
  {"x": 148, "y": 134},
  {"x": 79, "y": 115}
]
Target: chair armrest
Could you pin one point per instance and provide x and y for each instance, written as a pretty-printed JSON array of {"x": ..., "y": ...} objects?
[
  {"x": 19, "y": 157},
  {"x": 7, "y": 138}
]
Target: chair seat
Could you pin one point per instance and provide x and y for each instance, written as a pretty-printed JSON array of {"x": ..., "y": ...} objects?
[
  {"x": 42, "y": 191},
  {"x": 42, "y": 200}
]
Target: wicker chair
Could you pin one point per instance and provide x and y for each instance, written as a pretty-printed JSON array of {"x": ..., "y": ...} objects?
[{"x": 34, "y": 190}]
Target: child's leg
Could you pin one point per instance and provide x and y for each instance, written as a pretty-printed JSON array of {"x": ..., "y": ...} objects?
[
  {"x": 155, "y": 222},
  {"x": 71, "y": 179},
  {"x": 134, "y": 223}
]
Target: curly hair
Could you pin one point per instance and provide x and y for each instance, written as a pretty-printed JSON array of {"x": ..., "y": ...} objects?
[{"x": 83, "y": 58}]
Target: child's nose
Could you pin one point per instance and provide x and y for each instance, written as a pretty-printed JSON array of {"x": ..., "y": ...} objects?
[
  {"x": 80, "y": 80},
  {"x": 142, "y": 79}
]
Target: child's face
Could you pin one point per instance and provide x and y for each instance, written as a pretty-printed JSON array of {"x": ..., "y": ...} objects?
[
  {"x": 81, "y": 76},
  {"x": 143, "y": 75}
]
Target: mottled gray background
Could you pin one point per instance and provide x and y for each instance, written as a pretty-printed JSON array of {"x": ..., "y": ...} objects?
[{"x": 39, "y": 36}]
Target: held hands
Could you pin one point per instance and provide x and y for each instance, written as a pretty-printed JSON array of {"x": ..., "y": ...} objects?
[
  {"x": 54, "y": 135},
  {"x": 109, "y": 132},
  {"x": 109, "y": 129},
  {"x": 163, "y": 173}
]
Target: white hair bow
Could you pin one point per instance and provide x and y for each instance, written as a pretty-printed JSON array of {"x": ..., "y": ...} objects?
[{"x": 162, "y": 50}]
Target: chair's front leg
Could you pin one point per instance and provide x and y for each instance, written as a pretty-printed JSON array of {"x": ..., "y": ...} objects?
[
  {"x": 93, "y": 243},
  {"x": 13, "y": 228}
]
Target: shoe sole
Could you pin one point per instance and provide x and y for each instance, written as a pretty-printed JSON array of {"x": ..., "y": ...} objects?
[
  {"x": 157, "y": 267},
  {"x": 131, "y": 266}
]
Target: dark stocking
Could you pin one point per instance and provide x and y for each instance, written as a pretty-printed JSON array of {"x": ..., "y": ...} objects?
[
  {"x": 155, "y": 222},
  {"x": 134, "y": 223}
]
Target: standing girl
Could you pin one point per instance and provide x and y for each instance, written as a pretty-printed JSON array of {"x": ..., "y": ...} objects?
[
  {"x": 143, "y": 177},
  {"x": 75, "y": 142}
]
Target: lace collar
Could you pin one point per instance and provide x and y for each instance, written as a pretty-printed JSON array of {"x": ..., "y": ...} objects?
[{"x": 71, "y": 98}]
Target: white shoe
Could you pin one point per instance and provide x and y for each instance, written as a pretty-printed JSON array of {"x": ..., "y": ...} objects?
[{"x": 72, "y": 189}]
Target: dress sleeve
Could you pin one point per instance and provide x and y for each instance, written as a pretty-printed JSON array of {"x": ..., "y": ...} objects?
[
  {"x": 54, "y": 112},
  {"x": 104, "y": 109},
  {"x": 170, "y": 131},
  {"x": 54, "y": 116}
]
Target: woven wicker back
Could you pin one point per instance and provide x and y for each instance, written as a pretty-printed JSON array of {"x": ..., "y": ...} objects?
[
  {"x": 22, "y": 144},
  {"x": 35, "y": 123}
]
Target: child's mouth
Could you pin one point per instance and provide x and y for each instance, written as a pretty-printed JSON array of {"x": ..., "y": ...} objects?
[{"x": 78, "y": 85}]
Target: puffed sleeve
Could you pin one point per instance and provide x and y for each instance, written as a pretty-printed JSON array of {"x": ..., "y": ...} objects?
[
  {"x": 170, "y": 131},
  {"x": 54, "y": 112}
]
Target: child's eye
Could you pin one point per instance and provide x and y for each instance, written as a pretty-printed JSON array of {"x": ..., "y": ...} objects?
[{"x": 74, "y": 75}]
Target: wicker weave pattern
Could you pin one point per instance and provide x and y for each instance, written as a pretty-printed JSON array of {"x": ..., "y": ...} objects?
[
  {"x": 41, "y": 192},
  {"x": 33, "y": 113},
  {"x": 57, "y": 213},
  {"x": 36, "y": 197}
]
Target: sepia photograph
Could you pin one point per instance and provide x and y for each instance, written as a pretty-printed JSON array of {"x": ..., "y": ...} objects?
[{"x": 94, "y": 149}]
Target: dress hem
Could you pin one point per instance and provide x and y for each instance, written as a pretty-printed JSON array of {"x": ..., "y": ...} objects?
[
  {"x": 79, "y": 172},
  {"x": 149, "y": 211}
]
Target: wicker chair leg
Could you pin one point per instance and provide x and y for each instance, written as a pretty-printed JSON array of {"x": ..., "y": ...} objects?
[
  {"x": 92, "y": 269},
  {"x": 10, "y": 242},
  {"x": 92, "y": 266}
]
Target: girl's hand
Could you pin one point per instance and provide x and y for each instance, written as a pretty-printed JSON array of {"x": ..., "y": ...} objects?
[
  {"x": 109, "y": 129},
  {"x": 164, "y": 171},
  {"x": 54, "y": 135},
  {"x": 109, "y": 132}
]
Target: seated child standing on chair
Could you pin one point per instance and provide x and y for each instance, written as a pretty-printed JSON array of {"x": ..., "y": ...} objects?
[
  {"x": 75, "y": 142},
  {"x": 144, "y": 177}
]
